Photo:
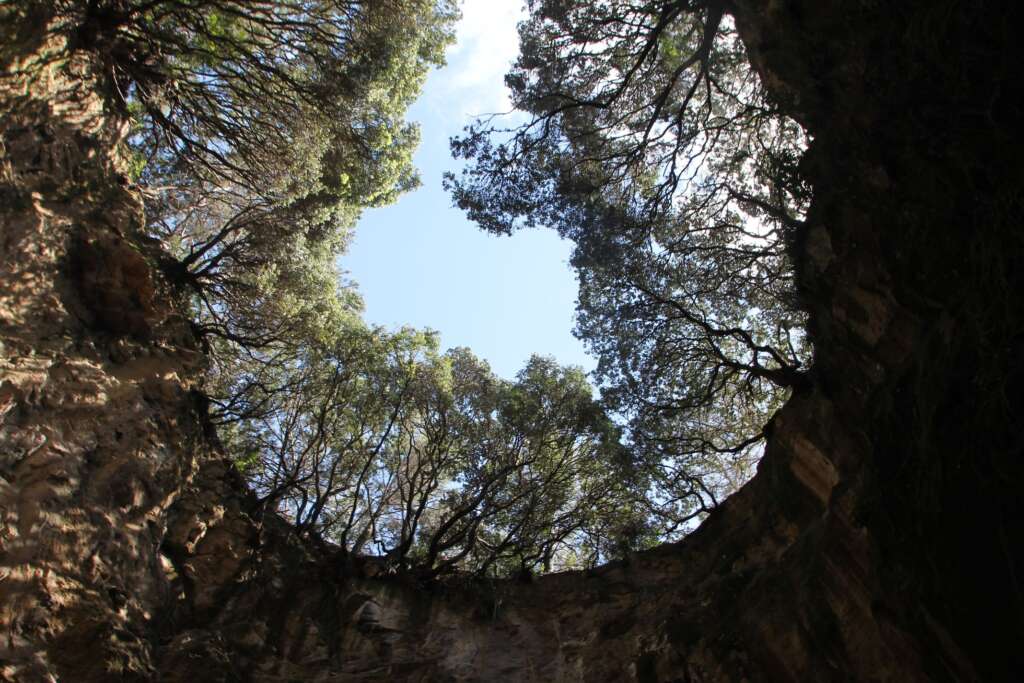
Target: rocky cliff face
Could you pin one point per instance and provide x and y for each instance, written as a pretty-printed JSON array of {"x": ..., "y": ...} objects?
[
  {"x": 880, "y": 540},
  {"x": 100, "y": 432}
]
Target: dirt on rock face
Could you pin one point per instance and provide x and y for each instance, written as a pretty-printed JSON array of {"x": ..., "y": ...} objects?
[{"x": 880, "y": 540}]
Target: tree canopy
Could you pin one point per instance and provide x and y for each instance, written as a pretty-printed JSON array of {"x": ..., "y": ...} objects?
[
  {"x": 650, "y": 143},
  {"x": 261, "y": 130},
  {"x": 387, "y": 447}
]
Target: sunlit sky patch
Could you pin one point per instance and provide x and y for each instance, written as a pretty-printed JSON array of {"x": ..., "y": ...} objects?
[{"x": 421, "y": 263}]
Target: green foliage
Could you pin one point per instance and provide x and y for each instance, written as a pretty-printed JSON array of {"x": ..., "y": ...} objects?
[
  {"x": 261, "y": 130},
  {"x": 265, "y": 128},
  {"x": 649, "y": 142},
  {"x": 386, "y": 446},
  {"x": 287, "y": 99}
]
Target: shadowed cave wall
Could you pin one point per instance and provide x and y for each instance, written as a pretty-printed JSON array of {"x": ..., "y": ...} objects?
[{"x": 880, "y": 540}]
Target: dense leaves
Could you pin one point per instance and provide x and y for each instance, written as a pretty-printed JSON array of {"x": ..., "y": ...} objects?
[
  {"x": 389, "y": 448},
  {"x": 260, "y": 130},
  {"x": 291, "y": 99},
  {"x": 649, "y": 142}
]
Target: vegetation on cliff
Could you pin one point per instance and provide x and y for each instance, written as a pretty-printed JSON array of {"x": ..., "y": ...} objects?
[
  {"x": 261, "y": 130},
  {"x": 653, "y": 146}
]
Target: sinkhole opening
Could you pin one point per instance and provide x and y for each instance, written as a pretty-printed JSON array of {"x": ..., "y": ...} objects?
[{"x": 485, "y": 289}]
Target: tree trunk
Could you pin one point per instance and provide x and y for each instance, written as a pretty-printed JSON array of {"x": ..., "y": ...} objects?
[{"x": 881, "y": 538}]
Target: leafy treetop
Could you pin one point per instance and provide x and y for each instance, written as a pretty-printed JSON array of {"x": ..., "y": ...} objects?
[{"x": 649, "y": 141}]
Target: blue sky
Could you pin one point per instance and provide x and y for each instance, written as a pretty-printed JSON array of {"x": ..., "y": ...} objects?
[{"x": 421, "y": 263}]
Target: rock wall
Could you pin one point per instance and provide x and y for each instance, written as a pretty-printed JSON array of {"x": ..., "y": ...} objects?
[
  {"x": 99, "y": 430},
  {"x": 880, "y": 539}
]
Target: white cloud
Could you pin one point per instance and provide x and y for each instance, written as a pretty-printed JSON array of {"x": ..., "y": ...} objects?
[{"x": 486, "y": 45}]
